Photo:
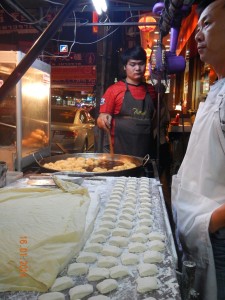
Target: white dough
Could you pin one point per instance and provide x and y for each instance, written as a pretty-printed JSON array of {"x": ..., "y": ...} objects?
[
  {"x": 111, "y": 251},
  {"x": 113, "y": 205},
  {"x": 102, "y": 230},
  {"x": 139, "y": 237},
  {"x": 126, "y": 217},
  {"x": 118, "y": 241},
  {"x": 129, "y": 259},
  {"x": 62, "y": 283},
  {"x": 146, "y": 210},
  {"x": 86, "y": 257},
  {"x": 128, "y": 210},
  {"x": 136, "y": 247},
  {"x": 149, "y": 298},
  {"x": 152, "y": 257},
  {"x": 80, "y": 291},
  {"x": 144, "y": 215},
  {"x": 96, "y": 274},
  {"x": 121, "y": 232},
  {"x": 146, "y": 205},
  {"x": 129, "y": 205},
  {"x": 147, "y": 269},
  {"x": 145, "y": 222},
  {"x": 154, "y": 235},
  {"x": 93, "y": 247},
  {"x": 146, "y": 284},
  {"x": 98, "y": 238},
  {"x": 99, "y": 297},
  {"x": 157, "y": 245},
  {"x": 108, "y": 217},
  {"x": 118, "y": 272},
  {"x": 107, "y": 262},
  {"x": 112, "y": 211},
  {"x": 107, "y": 286},
  {"x": 143, "y": 229},
  {"x": 114, "y": 201},
  {"x": 77, "y": 269},
  {"x": 52, "y": 296},
  {"x": 125, "y": 224},
  {"x": 108, "y": 224}
]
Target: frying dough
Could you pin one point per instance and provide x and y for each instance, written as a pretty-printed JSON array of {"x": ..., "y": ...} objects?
[
  {"x": 157, "y": 245},
  {"x": 137, "y": 247},
  {"x": 96, "y": 274},
  {"x": 52, "y": 296},
  {"x": 118, "y": 241},
  {"x": 129, "y": 259},
  {"x": 146, "y": 284},
  {"x": 152, "y": 257},
  {"x": 111, "y": 251},
  {"x": 80, "y": 291},
  {"x": 107, "y": 262},
  {"x": 139, "y": 237},
  {"x": 118, "y": 272},
  {"x": 147, "y": 269},
  {"x": 107, "y": 286},
  {"x": 86, "y": 257},
  {"x": 121, "y": 232},
  {"x": 77, "y": 269},
  {"x": 61, "y": 284},
  {"x": 93, "y": 247}
]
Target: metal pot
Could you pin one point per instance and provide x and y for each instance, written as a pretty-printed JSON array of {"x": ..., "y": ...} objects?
[{"x": 136, "y": 171}]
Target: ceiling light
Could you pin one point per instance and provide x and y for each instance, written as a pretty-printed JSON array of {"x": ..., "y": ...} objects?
[{"x": 100, "y": 6}]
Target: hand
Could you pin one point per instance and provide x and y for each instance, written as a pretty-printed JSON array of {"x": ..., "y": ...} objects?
[
  {"x": 217, "y": 220},
  {"x": 104, "y": 121}
]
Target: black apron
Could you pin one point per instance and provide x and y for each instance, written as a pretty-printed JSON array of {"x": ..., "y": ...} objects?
[{"x": 133, "y": 128}]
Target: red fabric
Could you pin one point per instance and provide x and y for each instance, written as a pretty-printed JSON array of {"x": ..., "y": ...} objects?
[{"x": 112, "y": 99}]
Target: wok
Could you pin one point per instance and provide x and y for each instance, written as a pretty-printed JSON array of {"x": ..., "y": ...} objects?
[{"x": 136, "y": 171}]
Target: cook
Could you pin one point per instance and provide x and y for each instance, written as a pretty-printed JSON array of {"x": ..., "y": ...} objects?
[{"x": 127, "y": 107}]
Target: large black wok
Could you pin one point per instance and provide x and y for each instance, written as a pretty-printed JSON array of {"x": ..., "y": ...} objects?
[{"x": 136, "y": 171}]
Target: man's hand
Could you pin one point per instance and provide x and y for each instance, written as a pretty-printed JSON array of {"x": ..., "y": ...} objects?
[{"x": 104, "y": 121}]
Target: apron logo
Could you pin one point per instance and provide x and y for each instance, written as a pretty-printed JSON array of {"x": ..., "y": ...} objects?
[
  {"x": 102, "y": 101},
  {"x": 137, "y": 112}
]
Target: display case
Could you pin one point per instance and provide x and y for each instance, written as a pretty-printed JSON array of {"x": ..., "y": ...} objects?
[{"x": 24, "y": 113}]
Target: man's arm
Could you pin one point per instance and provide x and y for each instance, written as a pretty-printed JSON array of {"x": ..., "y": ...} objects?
[{"x": 217, "y": 220}]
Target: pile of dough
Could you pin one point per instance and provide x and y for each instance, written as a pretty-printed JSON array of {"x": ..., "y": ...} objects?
[
  {"x": 62, "y": 283},
  {"x": 77, "y": 269},
  {"x": 118, "y": 272},
  {"x": 157, "y": 245},
  {"x": 146, "y": 284},
  {"x": 86, "y": 257},
  {"x": 107, "y": 262},
  {"x": 129, "y": 259},
  {"x": 52, "y": 296},
  {"x": 93, "y": 247},
  {"x": 152, "y": 257},
  {"x": 118, "y": 241},
  {"x": 96, "y": 274},
  {"x": 136, "y": 247},
  {"x": 147, "y": 269},
  {"x": 154, "y": 235},
  {"x": 107, "y": 286},
  {"x": 80, "y": 291},
  {"x": 111, "y": 251},
  {"x": 121, "y": 232},
  {"x": 139, "y": 237}
]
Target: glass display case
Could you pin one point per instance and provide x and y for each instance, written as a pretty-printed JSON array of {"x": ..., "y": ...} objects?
[{"x": 24, "y": 113}]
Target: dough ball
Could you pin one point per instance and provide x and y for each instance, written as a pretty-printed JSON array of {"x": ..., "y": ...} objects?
[
  {"x": 107, "y": 224},
  {"x": 113, "y": 206},
  {"x": 121, "y": 232},
  {"x": 112, "y": 211},
  {"x": 154, "y": 235},
  {"x": 107, "y": 286},
  {"x": 86, "y": 257},
  {"x": 103, "y": 231},
  {"x": 146, "y": 205},
  {"x": 146, "y": 284},
  {"x": 152, "y": 257},
  {"x": 128, "y": 210},
  {"x": 108, "y": 217},
  {"x": 118, "y": 272},
  {"x": 157, "y": 245},
  {"x": 118, "y": 241},
  {"x": 144, "y": 215},
  {"x": 62, "y": 283},
  {"x": 93, "y": 247},
  {"x": 98, "y": 238},
  {"x": 96, "y": 274},
  {"x": 111, "y": 251},
  {"x": 139, "y": 237},
  {"x": 129, "y": 205},
  {"x": 107, "y": 262},
  {"x": 52, "y": 296},
  {"x": 126, "y": 217},
  {"x": 142, "y": 229},
  {"x": 77, "y": 269},
  {"x": 129, "y": 259},
  {"x": 147, "y": 269},
  {"x": 80, "y": 291},
  {"x": 136, "y": 247},
  {"x": 145, "y": 222}
]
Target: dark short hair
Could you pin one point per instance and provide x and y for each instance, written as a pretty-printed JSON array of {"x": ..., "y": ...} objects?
[
  {"x": 137, "y": 53},
  {"x": 203, "y": 4}
]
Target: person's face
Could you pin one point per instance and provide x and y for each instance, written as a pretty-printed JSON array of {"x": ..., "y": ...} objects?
[
  {"x": 135, "y": 70},
  {"x": 210, "y": 35}
]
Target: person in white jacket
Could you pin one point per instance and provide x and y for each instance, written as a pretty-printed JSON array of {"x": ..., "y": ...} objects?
[{"x": 198, "y": 189}]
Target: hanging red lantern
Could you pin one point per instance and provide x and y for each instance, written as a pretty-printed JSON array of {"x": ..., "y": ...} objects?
[{"x": 147, "y": 28}]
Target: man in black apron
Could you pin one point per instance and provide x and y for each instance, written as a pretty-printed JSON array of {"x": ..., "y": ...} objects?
[{"x": 127, "y": 108}]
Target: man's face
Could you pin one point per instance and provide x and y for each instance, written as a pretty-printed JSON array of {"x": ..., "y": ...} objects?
[
  {"x": 210, "y": 36},
  {"x": 135, "y": 70}
]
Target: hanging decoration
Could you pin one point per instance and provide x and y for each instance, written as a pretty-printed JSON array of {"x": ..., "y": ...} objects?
[{"x": 147, "y": 19}]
